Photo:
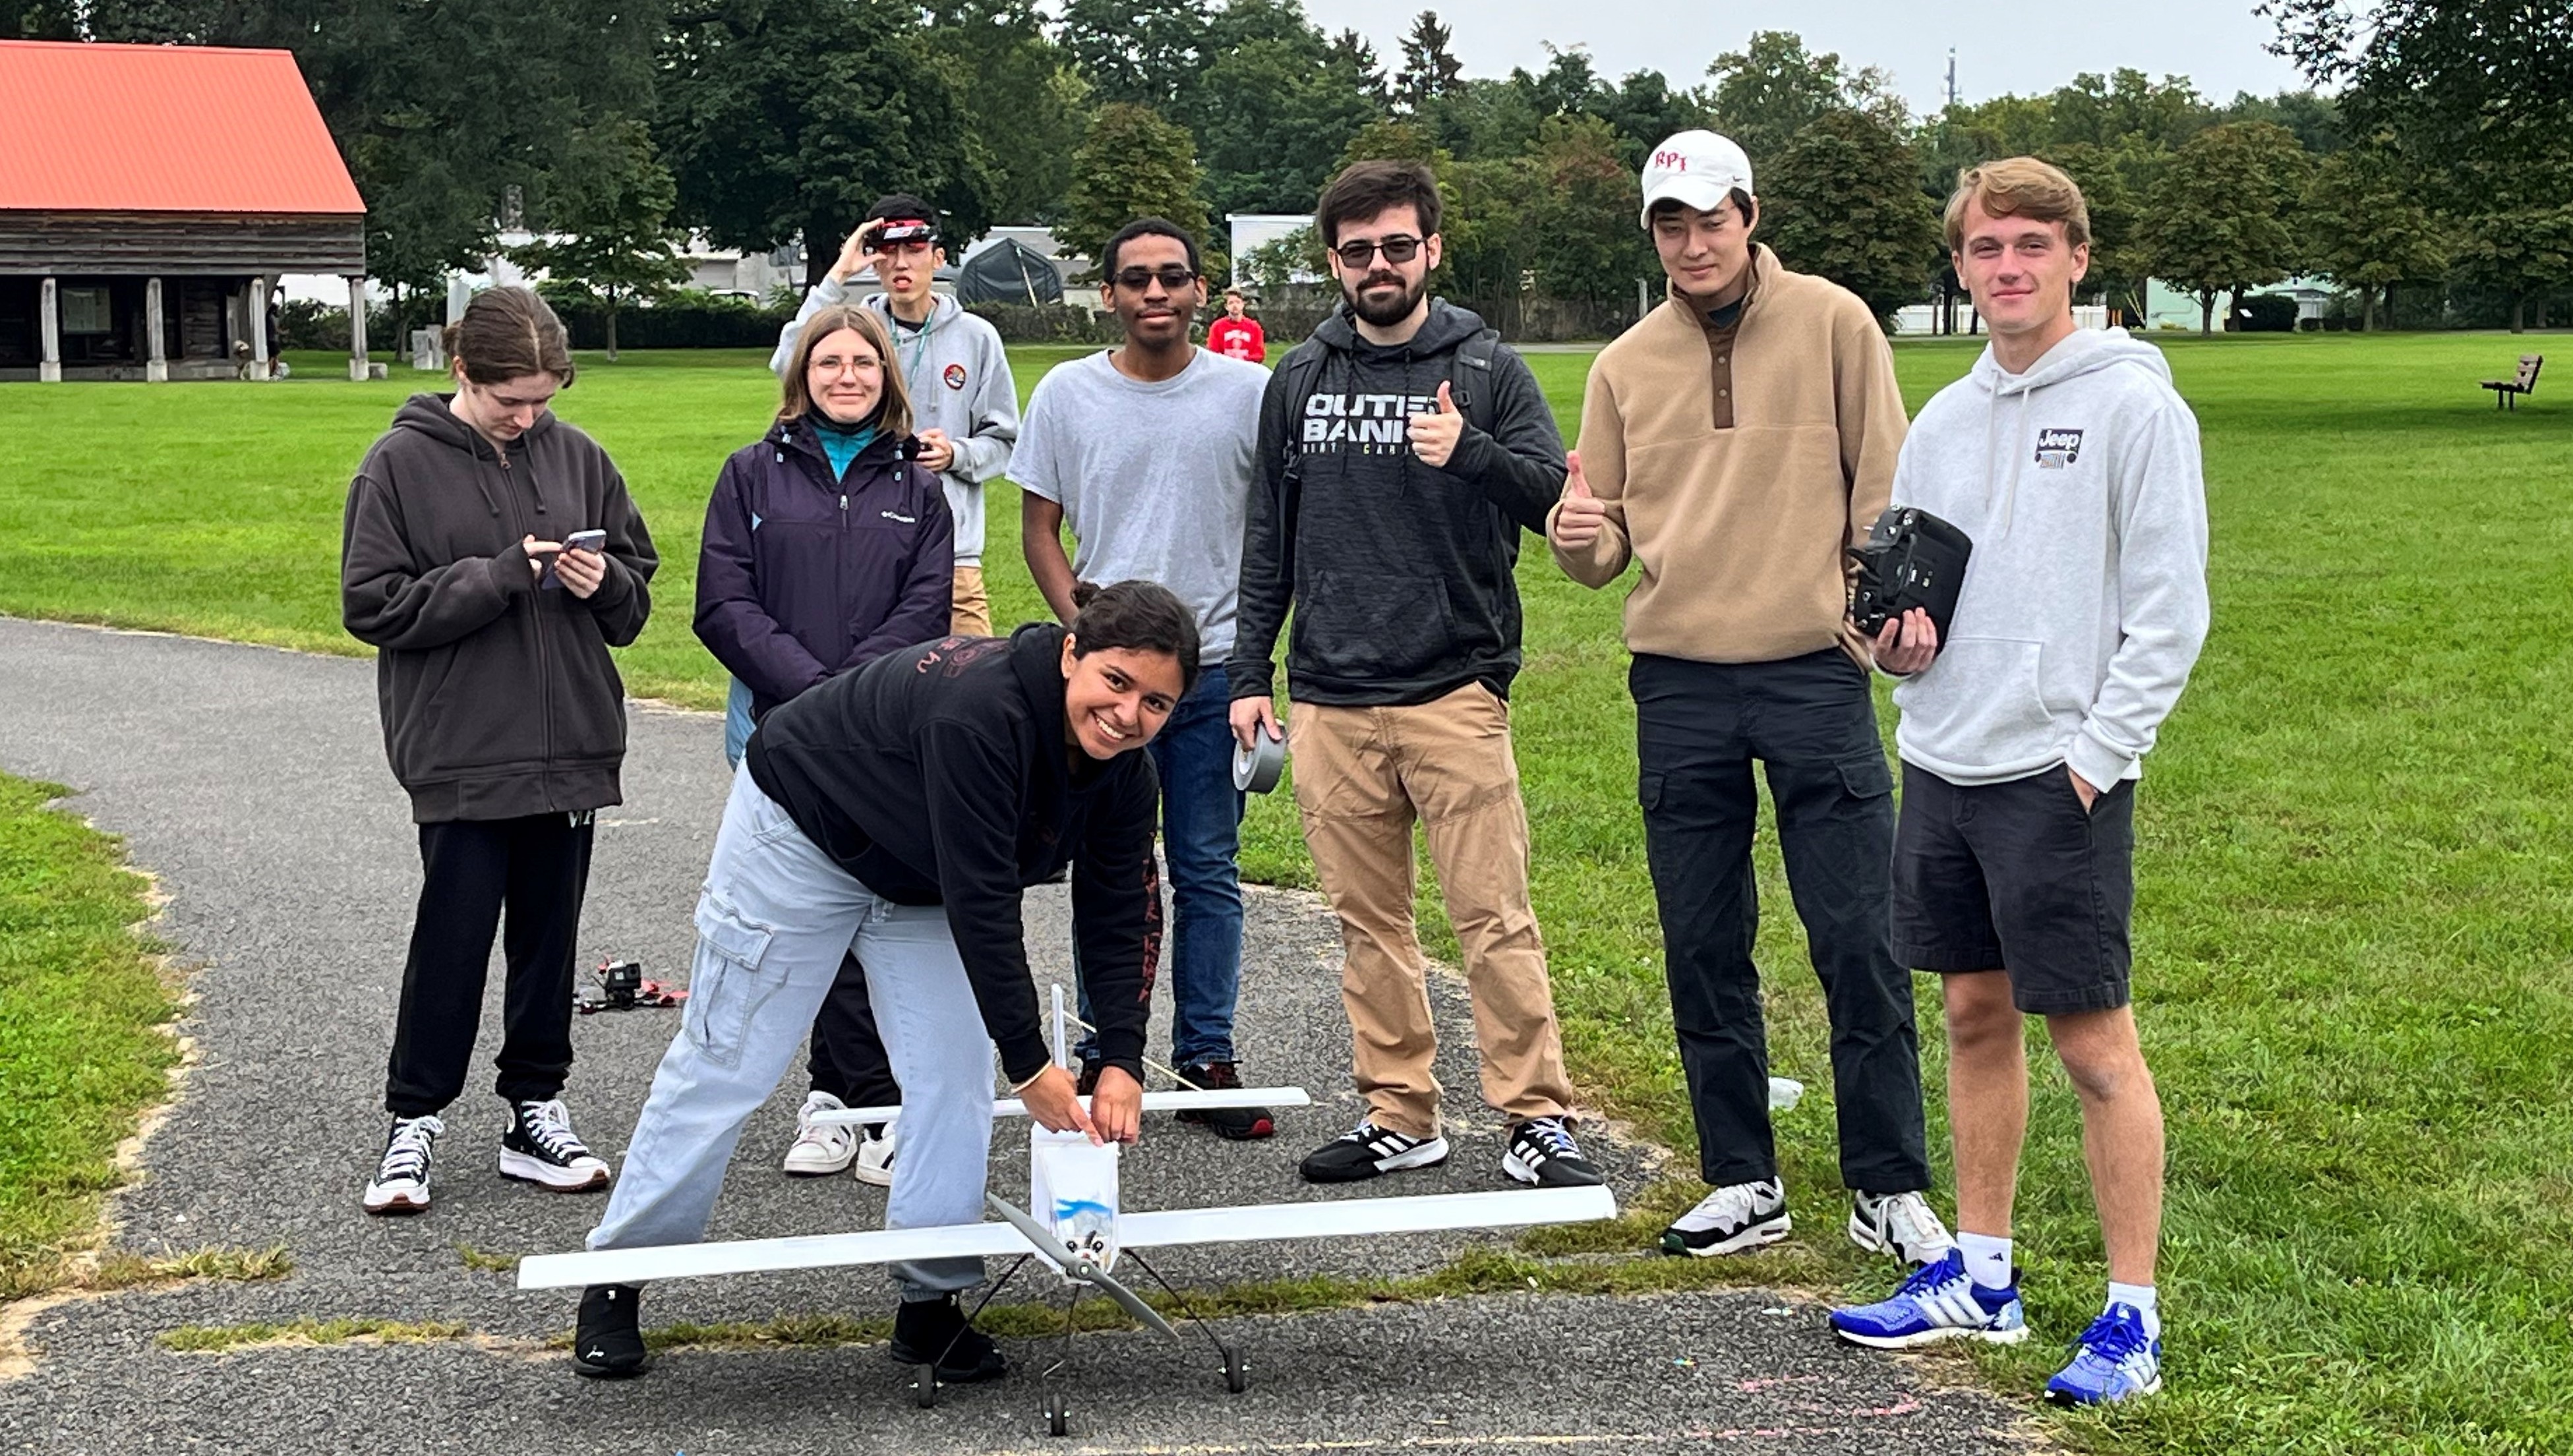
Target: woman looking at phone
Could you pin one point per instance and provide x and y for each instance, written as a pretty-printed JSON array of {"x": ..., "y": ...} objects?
[
  {"x": 899, "y": 813},
  {"x": 827, "y": 544},
  {"x": 504, "y": 718}
]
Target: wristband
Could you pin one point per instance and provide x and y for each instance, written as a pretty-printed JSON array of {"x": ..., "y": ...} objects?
[{"x": 1016, "y": 1087}]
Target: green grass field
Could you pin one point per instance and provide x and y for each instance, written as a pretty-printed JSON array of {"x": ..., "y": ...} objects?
[{"x": 2354, "y": 926}]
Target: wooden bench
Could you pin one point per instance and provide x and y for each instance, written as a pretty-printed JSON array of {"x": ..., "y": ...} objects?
[{"x": 2507, "y": 392}]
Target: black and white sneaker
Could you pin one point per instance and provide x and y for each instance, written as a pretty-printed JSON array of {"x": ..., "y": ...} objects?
[
  {"x": 1367, "y": 1151},
  {"x": 1542, "y": 1152},
  {"x": 937, "y": 1329},
  {"x": 1732, "y": 1218},
  {"x": 401, "y": 1178},
  {"x": 541, "y": 1148},
  {"x": 607, "y": 1344},
  {"x": 1901, "y": 1224}
]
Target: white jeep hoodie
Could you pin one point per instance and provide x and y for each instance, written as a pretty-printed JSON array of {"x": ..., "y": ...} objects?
[
  {"x": 959, "y": 376},
  {"x": 2085, "y": 602}
]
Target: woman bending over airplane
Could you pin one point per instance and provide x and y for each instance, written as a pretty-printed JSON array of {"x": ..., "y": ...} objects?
[{"x": 897, "y": 813}]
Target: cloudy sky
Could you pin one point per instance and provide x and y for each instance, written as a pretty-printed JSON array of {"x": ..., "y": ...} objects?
[{"x": 2000, "y": 47}]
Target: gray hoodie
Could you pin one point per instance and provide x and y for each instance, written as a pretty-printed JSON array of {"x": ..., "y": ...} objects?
[
  {"x": 2085, "y": 603},
  {"x": 959, "y": 377}
]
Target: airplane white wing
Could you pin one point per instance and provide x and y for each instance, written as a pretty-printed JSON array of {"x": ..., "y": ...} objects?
[
  {"x": 1332, "y": 1219},
  {"x": 1153, "y": 1101}
]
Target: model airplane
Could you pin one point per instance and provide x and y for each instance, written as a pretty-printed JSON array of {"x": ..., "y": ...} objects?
[{"x": 1078, "y": 1227}]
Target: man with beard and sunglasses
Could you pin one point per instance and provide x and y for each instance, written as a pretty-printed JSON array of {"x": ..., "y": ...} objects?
[
  {"x": 1402, "y": 450},
  {"x": 1147, "y": 451}
]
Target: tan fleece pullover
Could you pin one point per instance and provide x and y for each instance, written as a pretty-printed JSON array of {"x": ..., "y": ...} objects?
[{"x": 1736, "y": 464}]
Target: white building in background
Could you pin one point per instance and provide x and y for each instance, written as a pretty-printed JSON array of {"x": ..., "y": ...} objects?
[{"x": 1252, "y": 230}]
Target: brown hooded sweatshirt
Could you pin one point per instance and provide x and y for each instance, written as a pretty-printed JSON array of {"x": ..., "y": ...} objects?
[{"x": 498, "y": 698}]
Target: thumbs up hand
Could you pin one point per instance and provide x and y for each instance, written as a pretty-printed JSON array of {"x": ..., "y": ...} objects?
[
  {"x": 1581, "y": 517},
  {"x": 1434, "y": 435}
]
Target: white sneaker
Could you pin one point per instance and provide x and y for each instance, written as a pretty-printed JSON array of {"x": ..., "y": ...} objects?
[
  {"x": 1732, "y": 1218},
  {"x": 1901, "y": 1224},
  {"x": 821, "y": 1149},
  {"x": 400, "y": 1183},
  {"x": 875, "y": 1155}
]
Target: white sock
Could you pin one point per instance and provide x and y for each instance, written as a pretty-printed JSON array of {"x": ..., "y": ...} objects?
[
  {"x": 1987, "y": 1258},
  {"x": 2140, "y": 1296}
]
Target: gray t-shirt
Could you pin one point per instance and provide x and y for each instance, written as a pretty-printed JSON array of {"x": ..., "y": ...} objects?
[{"x": 1154, "y": 478}]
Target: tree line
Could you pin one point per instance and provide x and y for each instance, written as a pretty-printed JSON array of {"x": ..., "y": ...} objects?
[{"x": 2438, "y": 164}]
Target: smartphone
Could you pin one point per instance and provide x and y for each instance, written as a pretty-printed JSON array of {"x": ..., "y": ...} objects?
[{"x": 588, "y": 540}]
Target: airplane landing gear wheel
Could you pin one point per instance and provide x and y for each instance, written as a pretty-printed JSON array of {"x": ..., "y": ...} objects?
[
  {"x": 924, "y": 1391},
  {"x": 1058, "y": 1416},
  {"x": 1236, "y": 1376}
]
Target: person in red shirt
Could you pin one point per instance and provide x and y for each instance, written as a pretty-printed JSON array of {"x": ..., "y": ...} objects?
[{"x": 1234, "y": 336}]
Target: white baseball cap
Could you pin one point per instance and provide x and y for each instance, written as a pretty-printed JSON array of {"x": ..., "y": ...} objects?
[{"x": 1699, "y": 169}]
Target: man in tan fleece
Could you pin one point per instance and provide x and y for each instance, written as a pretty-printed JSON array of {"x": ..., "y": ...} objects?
[{"x": 1732, "y": 443}]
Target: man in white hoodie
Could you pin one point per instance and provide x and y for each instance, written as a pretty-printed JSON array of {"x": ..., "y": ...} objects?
[{"x": 2073, "y": 464}]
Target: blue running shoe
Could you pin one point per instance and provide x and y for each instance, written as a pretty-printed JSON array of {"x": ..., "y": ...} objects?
[
  {"x": 1939, "y": 1301},
  {"x": 2116, "y": 1360}
]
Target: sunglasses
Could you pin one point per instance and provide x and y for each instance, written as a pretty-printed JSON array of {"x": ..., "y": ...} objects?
[
  {"x": 1398, "y": 249},
  {"x": 1173, "y": 276}
]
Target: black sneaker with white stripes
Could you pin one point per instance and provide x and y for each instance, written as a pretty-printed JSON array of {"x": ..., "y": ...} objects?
[
  {"x": 541, "y": 1148},
  {"x": 401, "y": 1184},
  {"x": 1542, "y": 1152},
  {"x": 1732, "y": 1218},
  {"x": 1367, "y": 1151}
]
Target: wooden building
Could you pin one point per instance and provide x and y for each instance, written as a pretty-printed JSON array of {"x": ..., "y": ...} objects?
[{"x": 150, "y": 196}]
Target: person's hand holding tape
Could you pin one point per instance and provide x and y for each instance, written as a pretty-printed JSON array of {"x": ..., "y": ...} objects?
[{"x": 1259, "y": 745}]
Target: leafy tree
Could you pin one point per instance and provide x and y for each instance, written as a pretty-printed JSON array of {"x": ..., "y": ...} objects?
[
  {"x": 2315, "y": 119},
  {"x": 2478, "y": 94},
  {"x": 2525, "y": 253},
  {"x": 780, "y": 119},
  {"x": 1844, "y": 201},
  {"x": 1279, "y": 112},
  {"x": 1025, "y": 106},
  {"x": 1147, "y": 52},
  {"x": 1283, "y": 260},
  {"x": 1569, "y": 86},
  {"x": 52, "y": 20},
  {"x": 1581, "y": 236},
  {"x": 1133, "y": 165},
  {"x": 2365, "y": 225},
  {"x": 1773, "y": 88},
  {"x": 1429, "y": 69},
  {"x": 2125, "y": 107},
  {"x": 2118, "y": 264},
  {"x": 606, "y": 215},
  {"x": 2220, "y": 220},
  {"x": 1644, "y": 109}
]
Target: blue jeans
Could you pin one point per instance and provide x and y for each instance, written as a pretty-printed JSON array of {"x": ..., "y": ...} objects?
[
  {"x": 775, "y": 921},
  {"x": 738, "y": 724},
  {"x": 1202, "y": 843}
]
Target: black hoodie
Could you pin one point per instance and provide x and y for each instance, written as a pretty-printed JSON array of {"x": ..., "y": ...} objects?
[
  {"x": 498, "y": 698},
  {"x": 940, "y": 775},
  {"x": 1399, "y": 573}
]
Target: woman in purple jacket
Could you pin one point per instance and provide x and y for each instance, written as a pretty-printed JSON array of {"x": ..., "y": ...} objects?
[{"x": 826, "y": 546}]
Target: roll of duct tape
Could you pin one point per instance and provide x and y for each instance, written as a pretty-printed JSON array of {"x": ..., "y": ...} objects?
[{"x": 1255, "y": 769}]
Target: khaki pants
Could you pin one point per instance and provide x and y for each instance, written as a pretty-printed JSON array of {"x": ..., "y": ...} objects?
[
  {"x": 1363, "y": 776},
  {"x": 972, "y": 613}
]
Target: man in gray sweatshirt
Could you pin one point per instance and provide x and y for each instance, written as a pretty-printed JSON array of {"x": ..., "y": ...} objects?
[{"x": 2074, "y": 466}]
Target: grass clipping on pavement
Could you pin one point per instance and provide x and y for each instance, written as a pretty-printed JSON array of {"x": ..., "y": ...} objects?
[{"x": 84, "y": 1040}]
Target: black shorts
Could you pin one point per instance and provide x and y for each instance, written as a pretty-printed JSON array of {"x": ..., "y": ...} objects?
[{"x": 2016, "y": 876}]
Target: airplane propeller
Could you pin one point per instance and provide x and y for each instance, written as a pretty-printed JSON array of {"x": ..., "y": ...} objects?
[{"x": 1075, "y": 1265}]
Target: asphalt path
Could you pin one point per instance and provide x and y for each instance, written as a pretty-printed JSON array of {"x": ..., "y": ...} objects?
[{"x": 252, "y": 783}]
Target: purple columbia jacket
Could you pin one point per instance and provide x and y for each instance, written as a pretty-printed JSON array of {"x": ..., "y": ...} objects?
[{"x": 801, "y": 578}]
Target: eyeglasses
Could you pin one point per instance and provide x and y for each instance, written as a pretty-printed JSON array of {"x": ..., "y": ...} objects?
[
  {"x": 1357, "y": 252},
  {"x": 1173, "y": 276},
  {"x": 832, "y": 364}
]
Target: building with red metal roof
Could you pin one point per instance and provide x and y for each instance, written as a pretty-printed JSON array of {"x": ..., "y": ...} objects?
[{"x": 150, "y": 196}]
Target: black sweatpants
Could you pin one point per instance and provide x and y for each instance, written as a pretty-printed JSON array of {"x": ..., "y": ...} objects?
[
  {"x": 1811, "y": 722},
  {"x": 849, "y": 1059},
  {"x": 538, "y": 868}
]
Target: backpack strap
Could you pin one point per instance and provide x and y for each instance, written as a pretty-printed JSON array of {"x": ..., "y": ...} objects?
[{"x": 1469, "y": 378}]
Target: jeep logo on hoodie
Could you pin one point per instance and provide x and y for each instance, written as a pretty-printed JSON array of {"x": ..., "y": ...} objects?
[{"x": 2057, "y": 448}]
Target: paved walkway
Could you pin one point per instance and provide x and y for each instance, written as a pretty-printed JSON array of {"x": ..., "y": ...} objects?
[{"x": 253, "y": 783}]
